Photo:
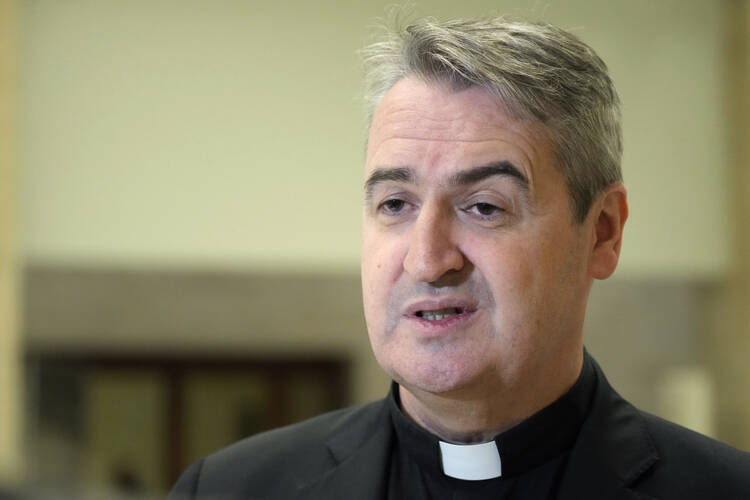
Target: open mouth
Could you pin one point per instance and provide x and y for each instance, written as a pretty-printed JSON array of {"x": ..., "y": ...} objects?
[{"x": 439, "y": 314}]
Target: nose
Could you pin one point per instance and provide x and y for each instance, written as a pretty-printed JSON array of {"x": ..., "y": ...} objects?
[{"x": 432, "y": 251}]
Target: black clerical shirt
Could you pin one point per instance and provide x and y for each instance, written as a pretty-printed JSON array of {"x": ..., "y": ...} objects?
[{"x": 533, "y": 453}]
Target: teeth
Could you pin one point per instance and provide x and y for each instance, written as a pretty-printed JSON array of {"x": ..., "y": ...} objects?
[{"x": 439, "y": 314}]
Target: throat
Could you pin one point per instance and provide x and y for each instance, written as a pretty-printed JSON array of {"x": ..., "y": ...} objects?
[{"x": 457, "y": 423}]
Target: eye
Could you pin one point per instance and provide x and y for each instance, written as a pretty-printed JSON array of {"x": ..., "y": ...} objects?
[
  {"x": 394, "y": 206},
  {"x": 485, "y": 210}
]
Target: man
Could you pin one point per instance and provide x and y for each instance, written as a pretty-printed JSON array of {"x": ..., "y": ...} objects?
[{"x": 493, "y": 199}]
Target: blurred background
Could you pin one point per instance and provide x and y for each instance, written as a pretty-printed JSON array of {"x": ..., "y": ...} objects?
[{"x": 180, "y": 198}]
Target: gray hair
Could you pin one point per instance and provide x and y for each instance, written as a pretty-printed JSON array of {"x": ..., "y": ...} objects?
[{"x": 538, "y": 72}]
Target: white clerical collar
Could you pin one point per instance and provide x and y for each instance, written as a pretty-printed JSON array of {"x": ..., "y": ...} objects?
[{"x": 473, "y": 462}]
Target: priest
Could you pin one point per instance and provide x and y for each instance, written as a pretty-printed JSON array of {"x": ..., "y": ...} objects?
[{"x": 493, "y": 197}]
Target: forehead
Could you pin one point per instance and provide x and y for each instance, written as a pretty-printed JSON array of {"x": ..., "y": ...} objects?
[{"x": 429, "y": 126}]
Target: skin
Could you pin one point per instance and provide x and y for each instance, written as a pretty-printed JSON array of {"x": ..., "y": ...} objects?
[{"x": 502, "y": 246}]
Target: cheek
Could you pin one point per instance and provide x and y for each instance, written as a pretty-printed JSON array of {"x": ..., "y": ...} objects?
[
  {"x": 516, "y": 276},
  {"x": 507, "y": 266},
  {"x": 382, "y": 265},
  {"x": 382, "y": 261},
  {"x": 534, "y": 284}
]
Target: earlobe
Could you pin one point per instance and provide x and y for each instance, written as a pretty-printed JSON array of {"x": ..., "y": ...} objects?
[{"x": 610, "y": 214}]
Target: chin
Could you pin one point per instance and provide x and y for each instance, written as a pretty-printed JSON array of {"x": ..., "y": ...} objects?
[
  {"x": 435, "y": 378},
  {"x": 436, "y": 366}
]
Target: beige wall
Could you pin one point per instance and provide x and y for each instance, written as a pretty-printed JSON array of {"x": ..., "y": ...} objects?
[
  {"x": 10, "y": 380},
  {"x": 730, "y": 339},
  {"x": 227, "y": 134}
]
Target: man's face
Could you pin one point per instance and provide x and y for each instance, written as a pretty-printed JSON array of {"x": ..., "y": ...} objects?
[{"x": 473, "y": 271}]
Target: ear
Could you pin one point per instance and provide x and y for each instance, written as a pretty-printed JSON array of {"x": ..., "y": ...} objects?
[{"x": 609, "y": 213}]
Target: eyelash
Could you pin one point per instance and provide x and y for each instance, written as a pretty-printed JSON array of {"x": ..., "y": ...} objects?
[
  {"x": 383, "y": 207},
  {"x": 497, "y": 211},
  {"x": 473, "y": 209}
]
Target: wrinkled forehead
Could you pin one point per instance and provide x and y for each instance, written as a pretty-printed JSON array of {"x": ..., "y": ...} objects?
[
  {"x": 411, "y": 86},
  {"x": 412, "y": 98},
  {"x": 417, "y": 119}
]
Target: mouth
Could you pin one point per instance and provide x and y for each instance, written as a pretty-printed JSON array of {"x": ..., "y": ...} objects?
[{"x": 439, "y": 314}]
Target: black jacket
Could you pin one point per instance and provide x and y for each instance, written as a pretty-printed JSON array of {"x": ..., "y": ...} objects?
[{"x": 620, "y": 453}]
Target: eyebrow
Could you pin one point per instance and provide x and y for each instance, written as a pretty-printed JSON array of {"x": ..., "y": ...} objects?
[
  {"x": 463, "y": 178},
  {"x": 395, "y": 174},
  {"x": 500, "y": 168}
]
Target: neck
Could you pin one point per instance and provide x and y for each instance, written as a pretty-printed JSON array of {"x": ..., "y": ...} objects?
[{"x": 478, "y": 414}]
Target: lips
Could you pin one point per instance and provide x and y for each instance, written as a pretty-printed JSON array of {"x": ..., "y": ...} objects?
[
  {"x": 433, "y": 319},
  {"x": 435, "y": 315},
  {"x": 439, "y": 314}
]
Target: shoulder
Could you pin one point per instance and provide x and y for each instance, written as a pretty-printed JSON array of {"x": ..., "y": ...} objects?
[
  {"x": 656, "y": 458},
  {"x": 295, "y": 440},
  {"x": 694, "y": 464},
  {"x": 290, "y": 455}
]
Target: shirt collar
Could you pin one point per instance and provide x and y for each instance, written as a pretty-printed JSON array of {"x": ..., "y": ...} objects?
[{"x": 533, "y": 442}]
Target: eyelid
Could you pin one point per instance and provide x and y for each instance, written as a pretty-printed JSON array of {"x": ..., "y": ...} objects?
[
  {"x": 394, "y": 194},
  {"x": 383, "y": 204},
  {"x": 504, "y": 205},
  {"x": 498, "y": 210},
  {"x": 404, "y": 197},
  {"x": 490, "y": 198}
]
